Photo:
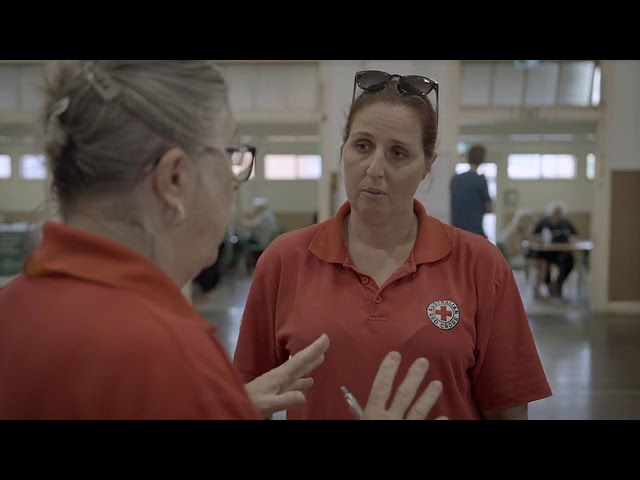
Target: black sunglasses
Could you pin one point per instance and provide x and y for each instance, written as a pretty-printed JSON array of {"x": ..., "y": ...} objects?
[{"x": 372, "y": 80}]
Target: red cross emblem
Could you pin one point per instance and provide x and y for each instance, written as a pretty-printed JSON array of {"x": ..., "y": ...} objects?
[{"x": 444, "y": 314}]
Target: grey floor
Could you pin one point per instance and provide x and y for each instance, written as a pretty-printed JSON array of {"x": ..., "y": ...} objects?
[{"x": 592, "y": 361}]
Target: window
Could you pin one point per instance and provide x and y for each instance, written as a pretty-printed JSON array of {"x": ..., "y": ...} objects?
[
  {"x": 5, "y": 166},
  {"x": 534, "y": 166},
  {"x": 33, "y": 167},
  {"x": 292, "y": 167},
  {"x": 591, "y": 166},
  {"x": 595, "y": 88}
]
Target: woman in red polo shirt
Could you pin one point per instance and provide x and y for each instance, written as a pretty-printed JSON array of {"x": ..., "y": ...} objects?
[
  {"x": 384, "y": 275},
  {"x": 144, "y": 169}
]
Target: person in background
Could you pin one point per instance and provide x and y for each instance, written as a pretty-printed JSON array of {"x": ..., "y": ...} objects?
[
  {"x": 555, "y": 227},
  {"x": 470, "y": 199},
  {"x": 514, "y": 242},
  {"x": 383, "y": 274},
  {"x": 515, "y": 236},
  {"x": 262, "y": 226},
  {"x": 145, "y": 167}
]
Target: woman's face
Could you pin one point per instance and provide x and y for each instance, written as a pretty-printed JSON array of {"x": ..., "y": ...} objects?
[
  {"x": 384, "y": 162},
  {"x": 214, "y": 193}
]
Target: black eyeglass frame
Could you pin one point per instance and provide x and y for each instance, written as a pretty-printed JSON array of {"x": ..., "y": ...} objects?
[
  {"x": 402, "y": 85},
  {"x": 230, "y": 150}
]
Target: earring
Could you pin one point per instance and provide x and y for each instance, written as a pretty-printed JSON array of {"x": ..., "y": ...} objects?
[{"x": 182, "y": 215}]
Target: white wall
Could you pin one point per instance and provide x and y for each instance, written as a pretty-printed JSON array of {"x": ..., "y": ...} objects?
[
  {"x": 17, "y": 194},
  {"x": 623, "y": 127},
  {"x": 284, "y": 195},
  {"x": 618, "y": 144}
]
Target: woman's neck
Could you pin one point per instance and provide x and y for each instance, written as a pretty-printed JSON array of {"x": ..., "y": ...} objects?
[
  {"x": 400, "y": 232},
  {"x": 136, "y": 232}
]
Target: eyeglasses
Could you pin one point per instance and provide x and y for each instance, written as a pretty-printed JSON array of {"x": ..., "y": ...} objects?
[
  {"x": 242, "y": 159},
  {"x": 372, "y": 80}
]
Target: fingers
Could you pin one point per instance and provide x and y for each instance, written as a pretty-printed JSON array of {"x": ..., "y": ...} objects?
[
  {"x": 406, "y": 392},
  {"x": 300, "y": 384},
  {"x": 270, "y": 404},
  {"x": 425, "y": 403},
  {"x": 382, "y": 384},
  {"x": 307, "y": 359}
]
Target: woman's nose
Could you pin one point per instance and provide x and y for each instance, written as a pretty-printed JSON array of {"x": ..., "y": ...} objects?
[{"x": 376, "y": 161}]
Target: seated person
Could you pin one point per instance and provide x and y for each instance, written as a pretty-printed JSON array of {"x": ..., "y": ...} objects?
[
  {"x": 514, "y": 245},
  {"x": 512, "y": 237},
  {"x": 559, "y": 230},
  {"x": 262, "y": 227}
]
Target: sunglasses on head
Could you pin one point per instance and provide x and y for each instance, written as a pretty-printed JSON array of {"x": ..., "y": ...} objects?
[{"x": 372, "y": 80}]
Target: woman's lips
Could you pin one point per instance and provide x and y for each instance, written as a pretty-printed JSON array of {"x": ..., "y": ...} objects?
[{"x": 373, "y": 192}]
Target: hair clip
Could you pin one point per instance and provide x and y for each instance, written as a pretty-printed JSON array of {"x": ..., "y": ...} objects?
[
  {"x": 102, "y": 83},
  {"x": 59, "y": 107}
]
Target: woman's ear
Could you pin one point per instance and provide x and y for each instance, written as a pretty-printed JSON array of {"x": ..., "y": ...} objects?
[{"x": 170, "y": 177}]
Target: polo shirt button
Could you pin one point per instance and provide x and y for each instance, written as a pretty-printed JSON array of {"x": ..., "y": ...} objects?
[
  {"x": 365, "y": 280},
  {"x": 378, "y": 299}
]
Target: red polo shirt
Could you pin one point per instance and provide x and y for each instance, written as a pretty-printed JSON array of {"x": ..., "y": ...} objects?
[
  {"x": 454, "y": 301},
  {"x": 94, "y": 330}
]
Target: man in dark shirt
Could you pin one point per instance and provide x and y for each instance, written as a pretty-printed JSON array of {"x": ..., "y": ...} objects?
[
  {"x": 558, "y": 229},
  {"x": 470, "y": 198}
]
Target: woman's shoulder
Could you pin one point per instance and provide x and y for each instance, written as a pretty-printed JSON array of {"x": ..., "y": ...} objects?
[
  {"x": 472, "y": 245},
  {"x": 293, "y": 242}
]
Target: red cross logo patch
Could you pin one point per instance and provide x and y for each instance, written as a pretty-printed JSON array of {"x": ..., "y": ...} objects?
[{"x": 444, "y": 314}]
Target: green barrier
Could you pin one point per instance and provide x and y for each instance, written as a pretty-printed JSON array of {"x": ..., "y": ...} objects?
[{"x": 16, "y": 242}]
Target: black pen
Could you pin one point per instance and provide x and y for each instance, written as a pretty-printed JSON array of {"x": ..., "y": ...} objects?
[{"x": 355, "y": 407}]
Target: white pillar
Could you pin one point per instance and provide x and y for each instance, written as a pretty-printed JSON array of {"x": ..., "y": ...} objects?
[
  {"x": 434, "y": 191},
  {"x": 336, "y": 83}
]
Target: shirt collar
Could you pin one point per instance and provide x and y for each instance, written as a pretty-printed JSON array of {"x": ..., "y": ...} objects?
[
  {"x": 67, "y": 250},
  {"x": 433, "y": 242}
]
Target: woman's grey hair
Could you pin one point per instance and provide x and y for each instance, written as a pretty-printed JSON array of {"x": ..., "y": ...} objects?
[{"x": 104, "y": 121}]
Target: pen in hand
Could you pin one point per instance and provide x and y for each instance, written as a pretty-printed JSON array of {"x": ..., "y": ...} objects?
[{"x": 355, "y": 407}]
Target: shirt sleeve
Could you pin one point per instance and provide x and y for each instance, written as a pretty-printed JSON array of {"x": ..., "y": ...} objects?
[{"x": 508, "y": 371}]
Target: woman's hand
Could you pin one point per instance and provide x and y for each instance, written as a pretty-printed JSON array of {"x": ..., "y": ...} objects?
[
  {"x": 404, "y": 396},
  {"x": 281, "y": 388}
]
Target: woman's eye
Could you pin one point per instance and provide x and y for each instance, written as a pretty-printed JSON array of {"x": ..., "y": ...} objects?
[
  {"x": 362, "y": 146},
  {"x": 399, "y": 154}
]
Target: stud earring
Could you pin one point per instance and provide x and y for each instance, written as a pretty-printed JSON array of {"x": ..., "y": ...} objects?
[{"x": 182, "y": 215}]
